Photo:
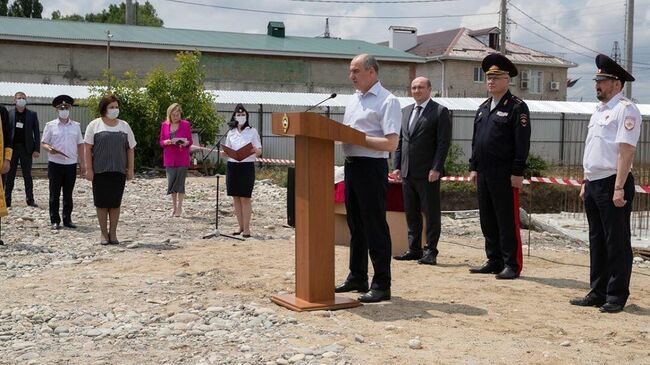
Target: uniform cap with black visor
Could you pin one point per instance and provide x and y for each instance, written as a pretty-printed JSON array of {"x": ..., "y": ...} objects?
[
  {"x": 608, "y": 69},
  {"x": 63, "y": 102},
  {"x": 497, "y": 64}
]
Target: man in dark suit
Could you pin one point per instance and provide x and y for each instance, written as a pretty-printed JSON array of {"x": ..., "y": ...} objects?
[
  {"x": 424, "y": 141},
  {"x": 26, "y": 138}
]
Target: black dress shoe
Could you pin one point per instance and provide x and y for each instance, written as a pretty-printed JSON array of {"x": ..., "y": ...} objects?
[
  {"x": 487, "y": 268},
  {"x": 32, "y": 204},
  {"x": 507, "y": 274},
  {"x": 611, "y": 308},
  {"x": 428, "y": 258},
  {"x": 374, "y": 296},
  {"x": 56, "y": 226},
  {"x": 588, "y": 301},
  {"x": 69, "y": 225},
  {"x": 408, "y": 255},
  {"x": 349, "y": 286}
]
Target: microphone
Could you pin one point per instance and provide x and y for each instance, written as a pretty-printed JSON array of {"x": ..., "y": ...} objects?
[{"x": 330, "y": 97}]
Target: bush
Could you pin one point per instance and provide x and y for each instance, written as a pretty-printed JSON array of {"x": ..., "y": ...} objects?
[
  {"x": 453, "y": 164},
  {"x": 143, "y": 104},
  {"x": 535, "y": 166}
]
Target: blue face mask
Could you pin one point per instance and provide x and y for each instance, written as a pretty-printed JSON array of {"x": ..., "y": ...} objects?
[{"x": 112, "y": 113}]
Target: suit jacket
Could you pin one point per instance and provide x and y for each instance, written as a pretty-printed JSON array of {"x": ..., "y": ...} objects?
[
  {"x": 424, "y": 147},
  {"x": 32, "y": 129}
]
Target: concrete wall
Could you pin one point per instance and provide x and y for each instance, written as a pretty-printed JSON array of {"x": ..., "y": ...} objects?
[
  {"x": 459, "y": 80},
  {"x": 69, "y": 64}
]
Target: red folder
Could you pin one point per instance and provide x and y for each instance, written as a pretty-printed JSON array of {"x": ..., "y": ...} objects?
[{"x": 239, "y": 154}]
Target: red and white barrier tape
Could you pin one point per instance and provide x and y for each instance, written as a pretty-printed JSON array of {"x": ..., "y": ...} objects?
[
  {"x": 276, "y": 161},
  {"x": 645, "y": 189}
]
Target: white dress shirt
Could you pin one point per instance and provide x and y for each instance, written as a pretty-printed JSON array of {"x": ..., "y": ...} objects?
[
  {"x": 64, "y": 137},
  {"x": 236, "y": 140},
  {"x": 415, "y": 114},
  {"x": 377, "y": 113},
  {"x": 614, "y": 122}
]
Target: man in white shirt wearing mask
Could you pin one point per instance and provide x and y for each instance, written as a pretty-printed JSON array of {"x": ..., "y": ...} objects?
[{"x": 63, "y": 141}]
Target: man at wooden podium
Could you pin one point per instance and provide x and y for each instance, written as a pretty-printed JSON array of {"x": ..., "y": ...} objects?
[{"x": 376, "y": 112}]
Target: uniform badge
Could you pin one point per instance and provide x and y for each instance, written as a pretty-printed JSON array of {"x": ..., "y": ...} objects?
[
  {"x": 502, "y": 114},
  {"x": 630, "y": 121},
  {"x": 523, "y": 119}
]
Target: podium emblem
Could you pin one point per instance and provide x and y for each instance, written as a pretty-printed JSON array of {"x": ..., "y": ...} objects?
[{"x": 285, "y": 123}]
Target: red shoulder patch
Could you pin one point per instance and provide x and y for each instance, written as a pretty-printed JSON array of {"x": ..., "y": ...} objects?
[{"x": 523, "y": 119}]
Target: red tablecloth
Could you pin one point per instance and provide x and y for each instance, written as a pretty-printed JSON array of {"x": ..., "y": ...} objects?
[{"x": 394, "y": 201}]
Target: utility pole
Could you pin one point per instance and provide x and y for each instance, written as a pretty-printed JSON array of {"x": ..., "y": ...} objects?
[
  {"x": 108, "y": 50},
  {"x": 502, "y": 34},
  {"x": 629, "y": 44},
  {"x": 327, "y": 28},
  {"x": 616, "y": 52},
  {"x": 129, "y": 13}
]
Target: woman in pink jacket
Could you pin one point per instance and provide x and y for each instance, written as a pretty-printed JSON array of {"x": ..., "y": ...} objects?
[{"x": 175, "y": 140}]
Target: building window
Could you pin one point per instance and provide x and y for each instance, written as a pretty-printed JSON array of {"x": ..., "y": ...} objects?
[
  {"x": 536, "y": 82},
  {"x": 479, "y": 75}
]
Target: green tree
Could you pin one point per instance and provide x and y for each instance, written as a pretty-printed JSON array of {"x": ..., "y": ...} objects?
[
  {"x": 116, "y": 14},
  {"x": 56, "y": 15},
  {"x": 4, "y": 8},
  {"x": 143, "y": 104},
  {"x": 26, "y": 9}
]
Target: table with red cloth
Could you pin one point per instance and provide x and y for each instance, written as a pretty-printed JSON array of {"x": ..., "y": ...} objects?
[
  {"x": 394, "y": 216},
  {"x": 394, "y": 200}
]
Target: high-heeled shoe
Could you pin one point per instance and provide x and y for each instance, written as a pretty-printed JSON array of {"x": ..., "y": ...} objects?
[{"x": 237, "y": 233}]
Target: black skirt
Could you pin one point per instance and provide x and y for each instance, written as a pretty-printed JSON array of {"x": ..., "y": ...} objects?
[
  {"x": 108, "y": 188},
  {"x": 240, "y": 178}
]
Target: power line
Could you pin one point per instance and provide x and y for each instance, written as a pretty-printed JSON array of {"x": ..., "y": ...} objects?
[
  {"x": 552, "y": 31},
  {"x": 326, "y": 15},
  {"x": 562, "y": 36},
  {"x": 555, "y": 43},
  {"x": 372, "y": 2}
]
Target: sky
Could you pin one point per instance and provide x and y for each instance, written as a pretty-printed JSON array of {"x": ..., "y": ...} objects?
[{"x": 584, "y": 27}]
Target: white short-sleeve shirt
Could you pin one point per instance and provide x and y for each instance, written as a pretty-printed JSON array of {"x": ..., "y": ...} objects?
[
  {"x": 617, "y": 121},
  {"x": 63, "y": 137},
  {"x": 236, "y": 140},
  {"x": 377, "y": 113}
]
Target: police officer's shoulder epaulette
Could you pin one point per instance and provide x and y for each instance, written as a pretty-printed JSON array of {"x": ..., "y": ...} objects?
[
  {"x": 625, "y": 101},
  {"x": 517, "y": 100},
  {"x": 485, "y": 102}
]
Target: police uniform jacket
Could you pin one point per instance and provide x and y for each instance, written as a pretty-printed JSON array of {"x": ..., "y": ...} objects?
[{"x": 501, "y": 137}]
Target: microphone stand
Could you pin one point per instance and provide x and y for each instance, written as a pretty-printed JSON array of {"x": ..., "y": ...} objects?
[
  {"x": 313, "y": 106},
  {"x": 216, "y": 232}
]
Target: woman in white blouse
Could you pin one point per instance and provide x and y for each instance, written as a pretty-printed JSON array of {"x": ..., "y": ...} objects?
[{"x": 240, "y": 175}]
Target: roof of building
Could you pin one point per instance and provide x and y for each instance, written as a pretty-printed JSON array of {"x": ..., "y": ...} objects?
[
  {"x": 463, "y": 43},
  {"x": 70, "y": 32},
  {"x": 49, "y": 91}
]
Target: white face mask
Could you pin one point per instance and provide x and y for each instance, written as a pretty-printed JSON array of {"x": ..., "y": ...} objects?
[
  {"x": 112, "y": 113},
  {"x": 241, "y": 119},
  {"x": 64, "y": 114},
  {"x": 21, "y": 103}
]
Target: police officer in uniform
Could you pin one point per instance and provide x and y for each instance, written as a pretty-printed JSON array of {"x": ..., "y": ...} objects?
[
  {"x": 608, "y": 188},
  {"x": 499, "y": 151}
]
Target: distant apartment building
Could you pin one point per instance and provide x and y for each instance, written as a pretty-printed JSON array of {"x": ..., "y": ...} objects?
[{"x": 453, "y": 63}]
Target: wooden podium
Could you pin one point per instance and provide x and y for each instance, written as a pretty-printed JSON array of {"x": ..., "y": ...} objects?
[{"x": 314, "y": 151}]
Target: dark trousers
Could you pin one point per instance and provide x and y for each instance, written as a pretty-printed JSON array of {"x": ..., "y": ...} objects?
[
  {"x": 610, "y": 246},
  {"x": 23, "y": 156},
  {"x": 498, "y": 205},
  {"x": 62, "y": 177},
  {"x": 420, "y": 195},
  {"x": 366, "y": 184}
]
